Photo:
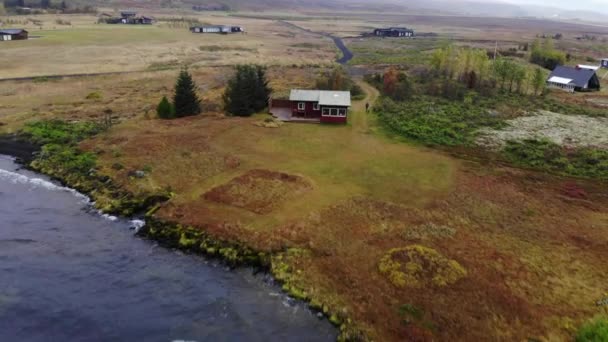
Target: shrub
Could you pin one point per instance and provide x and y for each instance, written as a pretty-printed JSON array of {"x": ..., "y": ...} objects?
[
  {"x": 60, "y": 132},
  {"x": 418, "y": 266},
  {"x": 593, "y": 331},
  {"x": 165, "y": 109},
  {"x": 435, "y": 121},
  {"x": 545, "y": 155},
  {"x": 94, "y": 96}
]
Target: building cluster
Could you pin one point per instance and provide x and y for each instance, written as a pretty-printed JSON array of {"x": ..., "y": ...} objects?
[
  {"x": 222, "y": 29},
  {"x": 397, "y": 32},
  {"x": 128, "y": 17}
]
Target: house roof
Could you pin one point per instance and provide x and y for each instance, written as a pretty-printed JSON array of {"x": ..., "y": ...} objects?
[
  {"x": 12, "y": 31},
  {"x": 579, "y": 76},
  {"x": 401, "y": 29},
  {"x": 323, "y": 97}
]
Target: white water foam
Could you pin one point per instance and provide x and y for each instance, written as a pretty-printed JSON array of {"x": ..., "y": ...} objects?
[
  {"x": 137, "y": 225},
  {"x": 17, "y": 178}
]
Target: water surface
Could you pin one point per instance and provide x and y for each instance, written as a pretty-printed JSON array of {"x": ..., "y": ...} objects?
[{"x": 70, "y": 274}]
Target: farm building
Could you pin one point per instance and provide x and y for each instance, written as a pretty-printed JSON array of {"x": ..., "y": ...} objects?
[
  {"x": 13, "y": 34},
  {"x": 129, "y": 17},
  {"x": 223, "y": 29},
  {"x": 605, "y": 63},
  {"x": 325, "y": 106},
  {"x": 394, "y": 32},
  {"x": 579, "y": 78}
]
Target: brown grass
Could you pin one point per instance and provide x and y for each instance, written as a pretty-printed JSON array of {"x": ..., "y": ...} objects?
[{"x": 259, "y": 191}]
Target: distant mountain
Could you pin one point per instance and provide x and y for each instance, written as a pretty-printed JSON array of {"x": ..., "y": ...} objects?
[{"x": 587, "y": 10}]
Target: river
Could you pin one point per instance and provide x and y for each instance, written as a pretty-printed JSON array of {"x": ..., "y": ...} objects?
[{"x": 68, "y": 273}]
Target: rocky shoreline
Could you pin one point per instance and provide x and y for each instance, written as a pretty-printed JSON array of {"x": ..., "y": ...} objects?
[{"x": 109, "y": 198}]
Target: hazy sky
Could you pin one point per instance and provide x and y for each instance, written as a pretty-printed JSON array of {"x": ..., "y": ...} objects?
[{"x": 586, "y": 5}]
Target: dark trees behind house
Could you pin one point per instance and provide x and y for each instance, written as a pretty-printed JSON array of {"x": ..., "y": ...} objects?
[{"x": 248, "y": 91}]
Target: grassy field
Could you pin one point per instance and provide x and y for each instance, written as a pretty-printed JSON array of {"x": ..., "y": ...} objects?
[
  {"x": 409, "y": 242},
  {"x": 531, "y": 252},
  {"x": 86, "y": 47}
]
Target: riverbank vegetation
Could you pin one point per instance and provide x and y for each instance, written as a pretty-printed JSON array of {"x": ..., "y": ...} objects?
[{"x": 61, "y": 158}]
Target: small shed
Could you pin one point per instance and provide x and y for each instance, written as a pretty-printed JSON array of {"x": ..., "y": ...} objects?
[
  {"x": 573, "y": 79},
  {"x": 13, "y": 34}
]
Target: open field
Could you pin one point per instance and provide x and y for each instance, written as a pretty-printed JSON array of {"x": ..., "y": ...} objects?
[
  {"x": 409, "y": 242},
  {"x": 531, "y": 253},
  {"x": 86, "y": 47}
]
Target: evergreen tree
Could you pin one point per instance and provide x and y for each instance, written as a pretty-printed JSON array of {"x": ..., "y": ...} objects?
[
  {"x": 247, "y": 91},
  {"x": 185, "y": 100},
  {"x": 165, "y": 109},
  {"x": 45, "y": 3}
]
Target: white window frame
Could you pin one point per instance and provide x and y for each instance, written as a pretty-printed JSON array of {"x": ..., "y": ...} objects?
[
  {"x": 334, "y": 112},
  {"x": 301, "y": 105},
  {"x": 316, "y": 106}
]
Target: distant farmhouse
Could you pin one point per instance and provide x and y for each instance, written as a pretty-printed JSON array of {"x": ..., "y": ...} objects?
[
  {"x": 394, "y": 32},
  {"x": 222, "y": 29},
  {"x": 571, "y": 79},
  {"x": 129, "y": 17},
  {"x": 326, "y": 106},
  {"x": 13, "y": 34}
]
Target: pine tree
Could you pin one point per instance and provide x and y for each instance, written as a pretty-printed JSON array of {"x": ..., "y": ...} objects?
[
  {"x": 185, "y": 100},
  {"x": 247, "y": 91},
  {"x": 165, "y": 109}
]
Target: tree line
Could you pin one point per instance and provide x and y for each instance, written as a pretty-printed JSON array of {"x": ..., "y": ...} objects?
[
  {"x": 545, "y": 54},
  {"x": 475, "y": 69},
  {"x": 247, "y": 93}
]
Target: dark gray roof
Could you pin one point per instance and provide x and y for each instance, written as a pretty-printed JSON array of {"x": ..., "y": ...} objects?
[
  {"x": 12, "y": 31},
  {"x": 579, "y": 76},
  {"x": 401, "y": 29}
]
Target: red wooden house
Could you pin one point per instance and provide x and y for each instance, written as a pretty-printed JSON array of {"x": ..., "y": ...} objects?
[{"x": 325, "y": 106}]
